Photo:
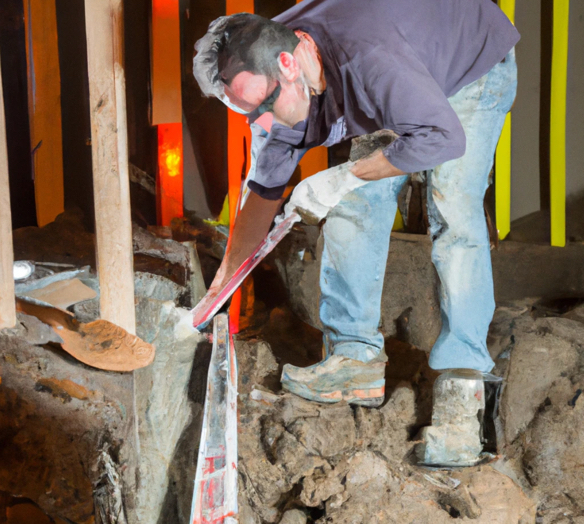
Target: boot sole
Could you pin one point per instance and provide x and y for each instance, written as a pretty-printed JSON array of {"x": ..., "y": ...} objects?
[{"x": 367, "y": 397}]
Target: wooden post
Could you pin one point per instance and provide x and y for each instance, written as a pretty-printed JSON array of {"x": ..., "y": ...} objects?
[
  {"x": 7, "y": 308},
  {"x": 167, "y": 107},
  {"x": 237, "y": 129},
  {"x": 44, "y": 104},
  {"x": 107, "y": 92}
]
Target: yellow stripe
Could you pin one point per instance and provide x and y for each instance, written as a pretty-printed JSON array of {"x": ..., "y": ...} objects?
[
  {"x": 558, "y": 122},
  {"x": 503, "y": 157},
  {"x": 503, "y": 180},
  {"x": 508, "y": 7}
]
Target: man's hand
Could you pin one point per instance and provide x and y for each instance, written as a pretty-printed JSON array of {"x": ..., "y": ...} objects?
[{"x": 375, "y": 167}]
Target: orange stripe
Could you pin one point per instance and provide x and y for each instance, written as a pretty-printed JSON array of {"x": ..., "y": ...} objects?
[{"x": 359, "y": 393}]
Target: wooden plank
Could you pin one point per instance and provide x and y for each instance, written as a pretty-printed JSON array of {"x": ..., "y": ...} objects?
[
  {"x": 166, "y": 64},
  {"x": 107, "y": 98},
  {"x": 237, "y": 129},
  {"x": 170, "y": 189},
  {"x": 44, "y": 94},
  {"x": 167, "y": 108},
  {"x": 558, "y": 122},
  {"x": 7, "y": 307}
]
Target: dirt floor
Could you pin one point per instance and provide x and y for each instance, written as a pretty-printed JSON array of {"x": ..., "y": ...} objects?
[
  {"x": 302, "y": 462},
  {"x": 299, "y": 462}
]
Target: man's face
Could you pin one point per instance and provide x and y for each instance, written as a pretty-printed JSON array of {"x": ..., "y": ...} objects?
[{"x": 249, "y": 91}]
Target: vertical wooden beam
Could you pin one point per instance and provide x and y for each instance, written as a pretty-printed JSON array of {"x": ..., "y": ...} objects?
[
  {"x": 7, "y": 308},
  {"x": 44, "y": 94},
  {"x": 503, "y": 157},
  {"x": 170, "y": 191},
  {"x": 166, "y": 64},
  {"x": 167, "y": 108},
  {"x": 558, "y": 122},
  {"x": 107, "y": 99},
  {"x": 237, "y": 129}
]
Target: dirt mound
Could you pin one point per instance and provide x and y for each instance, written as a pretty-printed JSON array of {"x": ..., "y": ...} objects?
[{"x": 306, "y": 462}]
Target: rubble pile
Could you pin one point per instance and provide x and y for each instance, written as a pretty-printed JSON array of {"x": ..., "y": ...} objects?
[
  {"x": 304, "y": 462},
  {"x": 542, "y": 409},
  {"x": 87, "y": 445}
]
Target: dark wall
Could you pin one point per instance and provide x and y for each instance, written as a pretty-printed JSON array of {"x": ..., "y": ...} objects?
[
  {"x": 76, "y": 124},
  {"x": 14, "y": 83},
  {"x": 206, "y": 118},
  {"x": 142, "y": 137},
  {"x": 142, "y": 144}
]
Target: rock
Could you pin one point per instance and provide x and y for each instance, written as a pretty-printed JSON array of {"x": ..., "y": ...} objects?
[
  {"x": 65, "y": 241},
  {"x": 413, "y": 287},
  {"x": 500, "y": 500},
  {"x": 387, "y": 429},
  {"x": 353, "y": 464},
  {"x": 257, "y": 365},
  {"x": 246, "y": 513},
  {"x": 86, "y": 311},
  {"x": 328, "y": 432},
  {"x": 293, "y": 516},
  {"x": 462, "y": 502},
  {"x": 575, "y": 314},
  {"x": 454, "y": 438},
  {"x": 157, "y": 287},
  {"x": 70, "y": 440},
  {"x": 33, "y": 331},
  {"x": 165, "y": 412},
  {"x": 542, "y": 351},
  {"x": 554, "y": 459},
  {"x": 324, "y": 484},
  {"x": 539, "y": 407},
  {"x": 368, "y": 483},
  {"x": 145, "y": 243},
  {"x": 262, "y": 480},
  {"x": 57, "y": 417}
]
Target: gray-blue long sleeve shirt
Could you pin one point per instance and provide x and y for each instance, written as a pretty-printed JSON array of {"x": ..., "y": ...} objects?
[{"x": 389, "y": 64}]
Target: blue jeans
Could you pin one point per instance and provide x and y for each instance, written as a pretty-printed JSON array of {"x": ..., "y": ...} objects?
[{"x": 357, "y": 235}]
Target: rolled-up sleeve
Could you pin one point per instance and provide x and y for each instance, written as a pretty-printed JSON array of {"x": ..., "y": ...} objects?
[{"x": 404, "y": 97}]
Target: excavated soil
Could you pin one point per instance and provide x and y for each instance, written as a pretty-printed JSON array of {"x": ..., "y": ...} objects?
[{"x": 303, "y": 462}]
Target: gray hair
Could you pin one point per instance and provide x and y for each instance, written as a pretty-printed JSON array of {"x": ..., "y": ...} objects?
[{"x": 236, "y": 43}]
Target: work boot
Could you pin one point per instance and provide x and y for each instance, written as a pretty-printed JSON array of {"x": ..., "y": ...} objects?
[
  {"x": 339, "y": 378},
  {"x": 454, "y": 438}
]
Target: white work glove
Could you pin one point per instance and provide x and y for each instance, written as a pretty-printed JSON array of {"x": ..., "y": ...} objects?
[{"x": 314, "y": 197}]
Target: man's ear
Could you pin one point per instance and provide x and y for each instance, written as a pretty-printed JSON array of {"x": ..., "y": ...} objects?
[{"x": 288, "y": 67}]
